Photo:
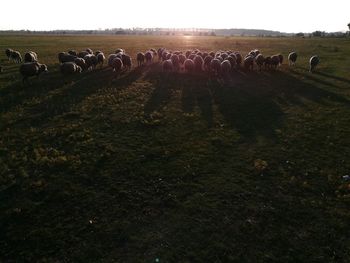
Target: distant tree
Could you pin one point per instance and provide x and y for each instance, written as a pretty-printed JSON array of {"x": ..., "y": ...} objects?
[
  {"x": 300, "y": 34},
  {"x": 318, "y": 33},
  {"x": 212, "y": 34},
  {"x": 349, "y": 26}
]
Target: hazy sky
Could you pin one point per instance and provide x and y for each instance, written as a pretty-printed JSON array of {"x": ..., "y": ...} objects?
[{"x": 286, "y": 16}]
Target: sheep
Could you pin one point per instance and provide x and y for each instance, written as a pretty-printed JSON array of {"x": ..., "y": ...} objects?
[
  {"x": 275, "y": 61},
  {"x": 182, "y": 59},
  {"x": 116, "y": 64},
  {"x": 225, "y": 67},
  {"x": 111, "y": 57},
  {"x": 259, "y": 60},
  {"x": 73, "y": 53},
  {"x": 232, "y": 60},
  {"x": 192, "y": 56},
  {"x": 127, "y": 62},
  {"x": 224, "y": 56},
  {"x": 8, "y": 53},
  {"x": 198, "y": 63},
  {"x": 292, "y": 58},
  {"x": 89, "y": 50},
  {"x": 267, "y": 62},
  {"x": 207, "y": 61},
  {"x": 100, "y": 58},
  {"x": 160, "y": 53},
  {"x": 314, "y": 61},
  {"x": 168, "y": 56},
  {"x": 154, "y": 52},
  {"x": 98, "y": 52},
  {"x": 280, "y": 56},
  {"x": 16, "y": 56},
  {"x": 81, "y": 63},
  {"x": 140, "y": 57},
  {"x": 119, "y": 50},
  {"x": 239, "y": 58},
  {"x": 175, "y": 62},
  {"x": 165, "y": 55},
  {"x": 168, "y": 66},
  {"x": 215, "y": 65},
  {"x": 91, "y": 61},
  {"x": 31, "y": 69},
  {"x": 248, "y": 62},
  {"x": 70, "y": 68},
  {"x": 30, "y": 57},
  {"x": 82, "y": 54},
  {"x": 65, "y": 57},
  {"x": 189, "y": 65},
  {"x": 188, "y": 53},
  {"x": 149, "y": 57},
  {"x": 212, "y": 54}
]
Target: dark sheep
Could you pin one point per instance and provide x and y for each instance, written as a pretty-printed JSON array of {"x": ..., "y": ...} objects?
[
  {"x": 259, "y": 60},
  {"x": 8, "y": 53},
  {"x": 91, "y": 61},
  {"x": 175, "y": 61},
  {"x": 127, "y": 62},
  {"x": 189, "y": 65},
  {"x": 168, "y": 66},
  {"x": 31, "y": 69},
  {"x": 65, "y": 57},
  {"x": 215, "y": 66},
  {"x": 280, "y": 56},
  {"x": 149, "y": 57},
  {"x": 82, "y": 54},
  {"x": 140, "y": 57},
  {"x": 249, "y": 62},
  {"x": 16, "y": 56},
  {"x": 100, "y": 58},
  {"x": 81, "y": 63},
  {"x": 30, "y": 57},
  {"x": 73, "y": 53},
  {"x": 68, "y": 68}
]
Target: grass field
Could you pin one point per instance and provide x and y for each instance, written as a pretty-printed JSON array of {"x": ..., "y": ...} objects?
[{"x": 178, "y": 168}]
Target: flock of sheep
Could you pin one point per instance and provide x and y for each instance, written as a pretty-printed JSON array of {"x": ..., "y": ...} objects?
[{"x": 219, "y": 63}]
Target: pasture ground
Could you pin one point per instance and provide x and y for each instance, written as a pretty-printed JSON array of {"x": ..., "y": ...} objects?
[{"x": 177, "y": 168}]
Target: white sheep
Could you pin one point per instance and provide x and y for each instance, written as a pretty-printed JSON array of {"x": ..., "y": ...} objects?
[{"x": 292, "y": 58}]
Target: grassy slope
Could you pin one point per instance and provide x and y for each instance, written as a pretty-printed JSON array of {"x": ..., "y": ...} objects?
[{"x": 94, "y": 169}]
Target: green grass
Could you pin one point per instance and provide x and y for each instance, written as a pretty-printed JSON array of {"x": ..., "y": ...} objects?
[{"x": 148, "y": 166}]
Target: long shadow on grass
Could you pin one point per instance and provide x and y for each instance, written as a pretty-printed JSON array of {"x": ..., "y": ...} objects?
[
  {"x": 66, "y": 93},
  {"x": 253, "y": 103}
]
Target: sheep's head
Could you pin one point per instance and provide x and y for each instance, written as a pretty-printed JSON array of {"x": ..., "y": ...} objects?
[{"x": 43, "y": 68}]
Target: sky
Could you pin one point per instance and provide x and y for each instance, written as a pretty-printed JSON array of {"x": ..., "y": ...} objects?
[{"x": 281, "y": 15}]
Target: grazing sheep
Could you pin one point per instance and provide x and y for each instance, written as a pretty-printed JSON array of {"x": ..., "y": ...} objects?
[
  {"x": 233, "y": 62},
  {"x": 212, "y": 54},
  {"x": 259, "y": 60},
  {"x": 127, "y": 62},
  {"x": 225, "y": 67},
  {"x": 91, "y": 61},
  {"x": 8, "y": 53},
  {"x": 149, "y": 57},
  {"x": 182, "y": 59},
  {"x": 267, "y": 62},
  {"x": 82, "y": 54},
  {"x": 31, "y": 69},
  {"x": 98, "y": 52},
  {"x": 154, "y": 52},
  {"x": 117, "y": 65},
  {"x": 165, "y": 55},
  {"x": 73, "y": 53},
  {"x": 16, "y": 56},
  {"x": 189, "y": 65},
  {"x": 81, "y": 63},
  {"x": 198, "y": 63},
  {"x": 168, "y": 56},
  {"x": 239, "y": 58},
  {"x": 160, "y": 53},
  {"x": 111, "y": 57},
  {"x": 175, "y": 61},
  {"x": 248, "y": 62},
  {"x": 30, "y": 57},
  {"x": 68, "y": 68},
  {"x": 275, "y": 61},
  {"x": 192, "y": 56},
  {"x": 292, "y": 58},
  {"x": 207, "y": 61},
  {"x": 119, "y": 50},
  {"x": 280, "y": 56},
  {"x": 314, "y": 61},
  {"x": 65, "y": 57},
  {"x": 188, "y": 53},
  {"x": 89, "y": 50},
  {"x": 224, "y": 56},
  {"x": 100, "y": 58},
  {"x": 140, "y": 57},
  {"x": 215, "y": 65},
  {"x": 168, "y": 66}
]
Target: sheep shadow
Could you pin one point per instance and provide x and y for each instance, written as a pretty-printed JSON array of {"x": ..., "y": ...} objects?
[
  {"x": 67, "y": 92},
  {"x": 252, "y": 103}
]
